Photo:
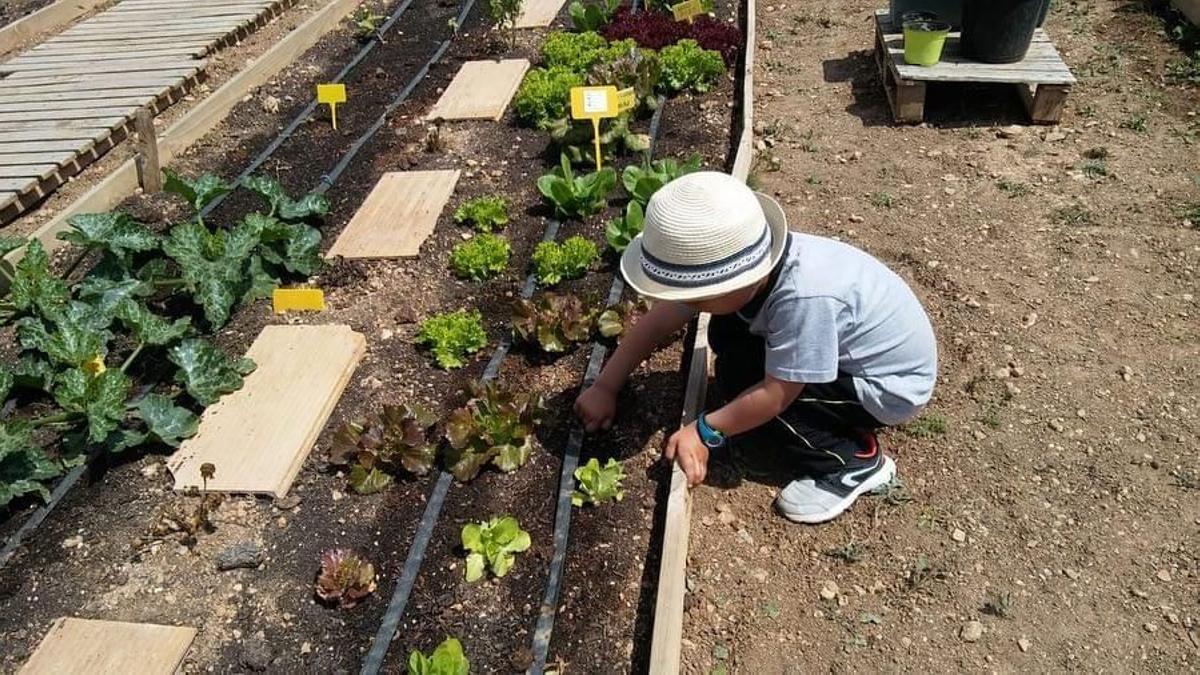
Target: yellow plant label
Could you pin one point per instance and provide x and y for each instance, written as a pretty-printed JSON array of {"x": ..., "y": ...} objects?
[
  {"x": 626, "y": 99},
  {"x": 593, "y": 103},
  {"x": 94, "y": 366},
  {"x": 298, "y": 299},
  {"x": 331, "y": 95},
  {"x": 687, "y": 10}
]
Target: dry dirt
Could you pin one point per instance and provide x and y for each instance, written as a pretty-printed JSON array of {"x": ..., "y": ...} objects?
[{"x": 1050, "y": 490}]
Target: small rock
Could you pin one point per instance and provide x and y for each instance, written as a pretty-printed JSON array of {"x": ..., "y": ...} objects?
[
  {"x": 372, "y": 382},
  {"x": 1163, "y": 575},
  {"x": 306, "y": 648},
  {"x": 829, "y": 590},
  {"x": 856, "y": 219},
  {"x": 287, "y": 503},
  {"x": 1024, "y": 644},
  {"x": 958, "y": 535},
  {"x": 1056, "y": 425},
  {"x": 1010, "y": 132},
  {"x": 726, "y": 517},
  {"x": 971, "y": 631},
  {"x": 905, "y": 642},
  {"x": 1029, "y": 319},
  {"x": 151, "y": 469},
  {"x": 270, "y": 104},
  {"x": 745, "y": 537},
  {"x": 1072, "y": 574},
  {"x": 1055, "y": 136},
  {"x": 722, "y": 507},
  {"x": 1125, "y": 372},
  {"x": 242, "y": 555},
  {"x": 256, "y": 655},
  {"x": 1150, "y": 627},
  {"x": 73, "y": 542},
  {"x": 759, "y": 575}
]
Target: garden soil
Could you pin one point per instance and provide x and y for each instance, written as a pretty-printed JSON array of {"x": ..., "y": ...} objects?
[{"x": 1050, "y": 516}]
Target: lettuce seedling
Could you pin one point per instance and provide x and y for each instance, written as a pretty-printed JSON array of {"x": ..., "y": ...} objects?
[
  {"x": 616, "y": 319},
  {"x": 620, "y": 231},
  {"x": 576, "y": 196},
  {"x": 447, "y": 659},
  {"x": 397, "y": 439},
  {"x": 686, "y": 66},
  {"x": 491, "y": 545},
  {"x": 495, "y": 426},
  {"x": 484, "y": 213},
  {"x": 598, "y": 484},
  {"x": 554, "y": 262},
  {"x": 345, "y": 578},
  {"x": 452, "y": 336},
  {"x": 552, "y": 321},
  {"x": 480, "y": 259},
  {"x": 641, "y": 182}
]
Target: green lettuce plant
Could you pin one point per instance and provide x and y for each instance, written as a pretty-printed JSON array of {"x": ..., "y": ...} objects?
[
  {"x": 492, "y": 545},
  {"x": 688, "y": 67},
  {"x": 592, "y": 16},
  {"x": 576, "y": 196},
  {"x": 575, "y": 139},
  {"x": 452, "y": 336},
  {"x": 616, "y": 320},
  {"x": 553, "y": 262},
  {"x": 495, "y": 426},
  {"x": 545, "y": 95},
  {"x": 552, "y": 321},
  {"x": 622, "y": 230},
  {"x": 483, "y": 213},
  {"x": 598, "y": 484},
  {"x": 642, "y": 181},
  {"x": 481, "y": 258},
  {"x": 398, "y": 439},
  {"x": 447, "y": 659}
]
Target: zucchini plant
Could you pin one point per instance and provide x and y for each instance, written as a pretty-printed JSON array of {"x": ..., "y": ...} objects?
[
  {"x": 495, "y": 426},
  {"x": 552, "y": 321},
  {"x": 491, "y": 545},
  {"x": 598, "y": 484},
  {"x": 398, "y": 439}
]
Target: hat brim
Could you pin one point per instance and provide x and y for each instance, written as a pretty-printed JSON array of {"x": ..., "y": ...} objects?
[{"x": 631, "y": 264}]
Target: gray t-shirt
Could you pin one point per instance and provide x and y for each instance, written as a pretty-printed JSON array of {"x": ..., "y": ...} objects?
[{"x": 836, "y": 309}]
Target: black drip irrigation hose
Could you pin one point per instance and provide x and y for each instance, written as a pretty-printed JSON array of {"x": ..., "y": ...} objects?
[
  {"x": 303, "y": 115},
  {"x": 433, "y": 510},
  {"x": 566, "y": 481}
]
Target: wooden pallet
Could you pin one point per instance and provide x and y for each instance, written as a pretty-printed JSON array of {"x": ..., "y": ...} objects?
[
  {"x": 1042, "y": 78},
  {"x": 480, "y": 90},
  {"x": 97, "y": 75}
]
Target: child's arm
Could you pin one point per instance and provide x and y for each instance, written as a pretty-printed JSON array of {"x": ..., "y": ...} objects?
[
  {"x": 751, "y": 409},
  {"x": 597, "y": 405}
]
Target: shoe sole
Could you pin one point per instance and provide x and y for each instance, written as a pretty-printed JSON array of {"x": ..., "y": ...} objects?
[{"x": 877, "y": 479}]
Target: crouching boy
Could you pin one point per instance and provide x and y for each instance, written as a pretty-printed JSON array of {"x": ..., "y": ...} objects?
[{"x": 817, "y": 343}]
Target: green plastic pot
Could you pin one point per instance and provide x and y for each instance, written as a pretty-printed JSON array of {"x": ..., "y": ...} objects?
[{"x": 923, "y": 42}]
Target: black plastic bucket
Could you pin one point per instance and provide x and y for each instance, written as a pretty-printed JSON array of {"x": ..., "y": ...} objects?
[{"x": 999, "y": 31}]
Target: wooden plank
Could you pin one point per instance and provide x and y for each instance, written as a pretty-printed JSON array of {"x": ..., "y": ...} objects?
[
  {"x": 743, "y": 155},
  {"x": 18, "y": 185},
  {"x": 49, "y": 113},
  {"x": 539, "y": 13},
  {"x": 107, "y": 44},
  {"x": 63, "y": 128},
  {"x": 174, "y": 53},
  {"x": 480, "y": 90},
  {"x": 25, "y": 105},
  {"x": 34, "y": 171},
  {"x": 190, "y": 128},
  {"x": 59, "y": 145},
  {"x": 19, "y": 158},
  {"x": 80, "y": 135},
  {"x": 107, "y": 73},
  {"x": 174, "y": 65},
  {"x": 666, "y": 641},
  {"x": 1045, "y": 105},
  {"x": 89, "y": 647},
  {"x": 258, "y": 437},
  {"x": 46, "y": 20},
  {"x": 397, "y": 216}
]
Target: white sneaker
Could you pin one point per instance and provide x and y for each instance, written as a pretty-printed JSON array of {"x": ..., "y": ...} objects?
[{"x": 816, "y": 500}]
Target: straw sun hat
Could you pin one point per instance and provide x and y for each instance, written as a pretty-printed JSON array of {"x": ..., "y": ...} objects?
[{"x": 706, "y": 234}]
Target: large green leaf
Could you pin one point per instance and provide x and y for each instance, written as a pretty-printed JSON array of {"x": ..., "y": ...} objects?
[
  {"x": 283, "y": 206},
  {"x": 215, "y": 266},
  {"x": 165, "y": 421},
  {"x": 198, "y": 192},
  {"x": 23, "y": 465},
  {"x": 77, "y": 334},
  {"x": 32, "y": 372},
  {"x": 150, "y": 328},
  {"x": 100, "y": 397},
  {"x": 294, "y": 246},
  {"x": 34, "y": 287},
  {"x": 106, "y": 294},
  {"x": 116, "y": 233},
  {"x": 206, "y": 371}
]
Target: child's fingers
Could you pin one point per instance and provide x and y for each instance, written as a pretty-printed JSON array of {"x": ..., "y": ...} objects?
[
  {"x": 688, "y": 463},
  {"x": 669, "y": 452}
]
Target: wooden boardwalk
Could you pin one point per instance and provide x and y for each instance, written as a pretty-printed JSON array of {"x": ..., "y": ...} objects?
[{"x": 66, "y": 102}]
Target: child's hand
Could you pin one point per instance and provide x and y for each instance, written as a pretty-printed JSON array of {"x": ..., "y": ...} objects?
[
  {"x": 596, "y": 407},
  {"x": 686, "y": 447}
]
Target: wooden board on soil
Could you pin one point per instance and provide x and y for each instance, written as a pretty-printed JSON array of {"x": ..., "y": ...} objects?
[
  {"x": 480, "y": 90},
  {"x": 539, "y": 13},
  {"x": 397, "y": 216},
  {"x": 90, "y": 647},
  {"x": 258, "y": 437}
]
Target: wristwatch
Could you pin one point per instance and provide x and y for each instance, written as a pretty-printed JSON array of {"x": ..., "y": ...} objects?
[{"x": 708, "y": 435}]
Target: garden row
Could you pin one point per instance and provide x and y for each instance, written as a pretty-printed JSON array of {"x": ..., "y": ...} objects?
[{"x": 190, "y": 277}]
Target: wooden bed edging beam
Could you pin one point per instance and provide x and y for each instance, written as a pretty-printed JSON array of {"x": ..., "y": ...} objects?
[
  {"x": 666, "y": 644},
  {"x": 193, "y": 126},
  {"x": 49, "y": 19}
]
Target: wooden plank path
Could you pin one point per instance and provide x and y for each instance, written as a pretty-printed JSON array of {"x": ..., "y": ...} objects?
[
  {"x": 67, "y": 101},
  {"x": 90, "y": 647}
]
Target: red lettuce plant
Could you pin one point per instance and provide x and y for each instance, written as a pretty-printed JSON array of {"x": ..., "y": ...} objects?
[
  {"x": 655, "y": 30},
  {"x": 345, "y": 578}
]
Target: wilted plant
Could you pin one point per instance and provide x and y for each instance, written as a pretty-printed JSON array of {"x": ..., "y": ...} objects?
[
  {"x": 504, "y": 15},
  {"x": 495, "y": 426},
  {"x": 366, "y": 24},
  {"x": 491, "y": 545},
  {"x": 598, "y": 484},
  {"x": 345, "y": 578},
  {"x": 378, "y": 447},
  {"x": 552, "y": 321}
]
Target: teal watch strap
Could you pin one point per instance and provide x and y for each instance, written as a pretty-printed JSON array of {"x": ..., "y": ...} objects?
[{"x": 708, "y": 435}]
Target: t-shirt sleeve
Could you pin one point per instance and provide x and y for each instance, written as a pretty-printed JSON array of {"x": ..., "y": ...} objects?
[{"x": 802, "y": 340}]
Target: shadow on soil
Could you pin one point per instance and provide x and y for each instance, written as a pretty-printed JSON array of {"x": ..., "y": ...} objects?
[{"x": 948, "y": 105}]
